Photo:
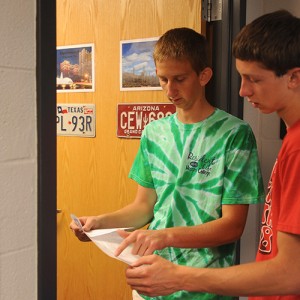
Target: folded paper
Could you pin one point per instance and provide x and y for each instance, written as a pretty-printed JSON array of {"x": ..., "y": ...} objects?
[{"x": 108, "y": 240}]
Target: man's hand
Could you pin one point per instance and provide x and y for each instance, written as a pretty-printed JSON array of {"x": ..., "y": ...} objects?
[
  {"x": 153, "y": 276},
  {"x": 145, "y": 242},
  {"x": 88, "y": 224}
]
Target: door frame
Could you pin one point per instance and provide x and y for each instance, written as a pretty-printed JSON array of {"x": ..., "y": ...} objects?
[
  {"x": 46, "y": 148},
  {"x": 223, "y": 91}
]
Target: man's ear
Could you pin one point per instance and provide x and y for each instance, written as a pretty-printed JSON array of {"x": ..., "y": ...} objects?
[
  {"x": 205, "y": 76},
  {"x": 294, "y": 78}
]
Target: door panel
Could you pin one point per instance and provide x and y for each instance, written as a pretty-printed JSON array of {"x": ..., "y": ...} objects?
[{"x": 92, "y": 173}]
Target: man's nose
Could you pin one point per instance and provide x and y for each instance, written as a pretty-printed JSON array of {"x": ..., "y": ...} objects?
[
  {"x": 245, "y": 89},
  {"x": 171, "y": 89}
]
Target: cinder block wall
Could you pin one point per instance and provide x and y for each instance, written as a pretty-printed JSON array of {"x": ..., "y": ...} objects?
[{"x": 18, "y": 154}]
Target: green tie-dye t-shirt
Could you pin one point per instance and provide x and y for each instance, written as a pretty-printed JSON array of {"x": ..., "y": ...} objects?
[{"x": 194, "y": 169}]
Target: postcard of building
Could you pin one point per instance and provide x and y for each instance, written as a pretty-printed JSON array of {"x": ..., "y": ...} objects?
[{"x": 75, "y": 68}]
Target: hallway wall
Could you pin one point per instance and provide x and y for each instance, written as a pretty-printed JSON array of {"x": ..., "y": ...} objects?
[{"x": 18, "y": 155}]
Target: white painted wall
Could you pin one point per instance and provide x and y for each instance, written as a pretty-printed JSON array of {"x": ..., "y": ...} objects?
[
  {"x": 18, "y": 151},
  {"x": 266, "y": 130}
]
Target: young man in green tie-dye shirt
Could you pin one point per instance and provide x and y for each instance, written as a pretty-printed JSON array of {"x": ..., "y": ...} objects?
[{"x": 197, "y": 170}]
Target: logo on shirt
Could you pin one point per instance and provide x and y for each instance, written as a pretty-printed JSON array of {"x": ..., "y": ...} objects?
[
  {"x": 200, "y": 164},
  {"x": 266, "y": 234}
]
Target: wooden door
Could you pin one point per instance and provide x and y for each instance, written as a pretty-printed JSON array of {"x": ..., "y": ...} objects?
[{"x": 92, "y": 172}]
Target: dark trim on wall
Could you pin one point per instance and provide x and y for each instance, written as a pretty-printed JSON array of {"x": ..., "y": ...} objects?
[
  {"x": 223, "y": 92},
  {"x": 46, "y": 128},
  {"x": 282, "y": 129}
]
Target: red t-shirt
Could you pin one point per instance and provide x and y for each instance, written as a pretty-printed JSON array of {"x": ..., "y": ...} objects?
[{"x": 282, "y": 205}]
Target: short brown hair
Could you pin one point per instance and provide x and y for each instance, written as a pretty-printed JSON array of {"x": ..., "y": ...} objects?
[
  {"x": 183, "y": 44},
  {"x": 272, "y": 40}
]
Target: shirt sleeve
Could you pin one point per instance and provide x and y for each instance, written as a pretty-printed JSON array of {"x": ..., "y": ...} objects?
[
  {"x": 140, "y": 170},
  {"x": 243, "y": 180}
]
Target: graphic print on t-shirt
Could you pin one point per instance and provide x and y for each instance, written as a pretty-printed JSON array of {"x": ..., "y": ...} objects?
[
  {"x": 266, "y": 234},
  {"x": 200, "y": 163}
]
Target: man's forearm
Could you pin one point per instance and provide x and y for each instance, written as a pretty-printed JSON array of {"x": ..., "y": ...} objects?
[
  {"x": 154, "y": 275},
  {"x": 224, "y": 230},
  {"x": 259, "y": 278},
  {"x": 129, "y": 216},
  {"x": 211, "y": 234}
]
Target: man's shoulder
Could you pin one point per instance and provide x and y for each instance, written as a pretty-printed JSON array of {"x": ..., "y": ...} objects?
[{"x": 230, "y": 119}]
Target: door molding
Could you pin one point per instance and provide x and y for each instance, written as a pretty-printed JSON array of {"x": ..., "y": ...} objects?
[
  {"x": 46, "y": 128},
  {"x": 223, "y": 91}
]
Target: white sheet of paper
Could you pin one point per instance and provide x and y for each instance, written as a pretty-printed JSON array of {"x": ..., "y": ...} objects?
[{"x": 108, "y": 241}]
